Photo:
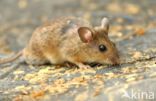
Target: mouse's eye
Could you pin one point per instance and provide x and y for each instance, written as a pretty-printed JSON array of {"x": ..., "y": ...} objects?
[{"x": 102, "y": 48}]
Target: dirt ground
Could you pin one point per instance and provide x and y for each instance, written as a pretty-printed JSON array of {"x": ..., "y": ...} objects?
[{"x": 133, "y": 24}]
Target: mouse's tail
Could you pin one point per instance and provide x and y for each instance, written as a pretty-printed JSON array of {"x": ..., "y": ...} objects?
[{"x": 11, "y": 59}]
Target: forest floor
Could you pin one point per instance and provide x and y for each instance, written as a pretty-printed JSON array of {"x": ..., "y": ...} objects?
[{"x": 133, "y": 24}]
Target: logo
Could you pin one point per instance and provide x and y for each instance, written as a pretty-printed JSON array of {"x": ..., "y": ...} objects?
[{"x": 138, "y": 94}]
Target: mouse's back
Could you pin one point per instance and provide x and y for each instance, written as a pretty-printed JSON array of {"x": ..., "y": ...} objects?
[{"x": 49, "y": 42}]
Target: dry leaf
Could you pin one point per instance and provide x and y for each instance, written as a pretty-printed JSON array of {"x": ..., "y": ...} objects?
[
  {"x": 137, "y": 55},
  {"x": 140, "y": 31}
]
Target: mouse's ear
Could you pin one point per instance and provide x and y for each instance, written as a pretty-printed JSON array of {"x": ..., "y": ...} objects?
[
  {"x": 105, "y": 24},
  {"x": 85, "y": 34}
]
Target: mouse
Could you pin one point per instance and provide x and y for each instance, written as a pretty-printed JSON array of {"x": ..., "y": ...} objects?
[{"x": 69, "y": 39}]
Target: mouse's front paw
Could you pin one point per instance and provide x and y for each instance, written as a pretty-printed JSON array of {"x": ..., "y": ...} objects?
[{"x": 82, "y": 66}]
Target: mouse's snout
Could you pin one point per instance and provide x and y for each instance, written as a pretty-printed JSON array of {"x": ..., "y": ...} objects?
[{"x": 115, "y": 59}]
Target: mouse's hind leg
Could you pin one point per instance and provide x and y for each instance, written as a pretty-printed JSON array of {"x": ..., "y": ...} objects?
[{"x": 34, "y": 59}]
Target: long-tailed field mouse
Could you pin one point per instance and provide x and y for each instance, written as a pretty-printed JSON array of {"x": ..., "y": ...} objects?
[{"x": 69, "y": 39}]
